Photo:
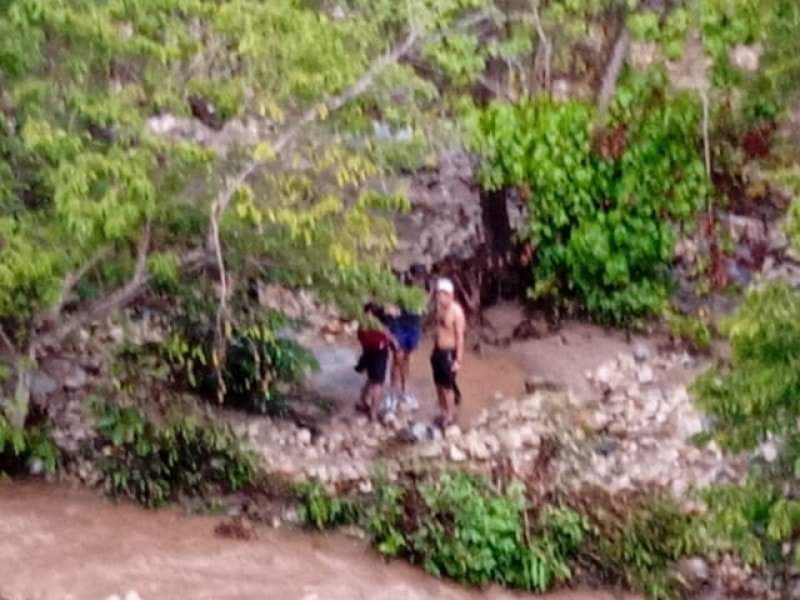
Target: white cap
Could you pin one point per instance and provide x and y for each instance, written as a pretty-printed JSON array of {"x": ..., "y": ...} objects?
[{"x": 446, "y": 286}]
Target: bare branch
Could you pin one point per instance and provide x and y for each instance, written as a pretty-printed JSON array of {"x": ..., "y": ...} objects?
[
  {"x": 706, "y": 137},
  {"x": 107, "y": 304},
  {"x": 7, "y": 341},
  {"x": 70, "y": 281},
  {"x": 613, "y": 70},
  {"x": 544, "y": 41}
]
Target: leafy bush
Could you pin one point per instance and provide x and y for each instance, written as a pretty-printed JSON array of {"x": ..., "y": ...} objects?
[
  {"x": 322, "y": 510},
  {"x": 153, "y": 463},
  {"x": 751, "y": 520},
  {"x": 259, "y": 364},
  {"x": 458, "y": 526},
  {"x": 602, "y": 206},
  {"x": 20, "y": 448},
  {"x": 756, "y": 394},
  {"x": 639, "y": 540}
]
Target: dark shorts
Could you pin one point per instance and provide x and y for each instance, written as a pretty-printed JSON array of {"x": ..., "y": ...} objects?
[
  {"x": 407, "y": 338},
  {"x": 443, "y": 374},
  {"x": 374, "y": 363}
]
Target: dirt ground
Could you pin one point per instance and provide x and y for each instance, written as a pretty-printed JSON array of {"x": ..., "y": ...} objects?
[{"x": 564, "y": 356}]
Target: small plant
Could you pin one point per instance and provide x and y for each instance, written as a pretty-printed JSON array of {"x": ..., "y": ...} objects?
[
  {"x": 694, "y": 331},
  {"x": 154, "y": 463},
  {"x": 21, "y": 448},
  {"x": 321, "y": 510},
  {"x": 751, "y": 520}
]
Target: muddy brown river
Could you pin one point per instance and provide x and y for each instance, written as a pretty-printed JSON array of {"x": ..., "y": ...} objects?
[{"x": 58, "y": 543}]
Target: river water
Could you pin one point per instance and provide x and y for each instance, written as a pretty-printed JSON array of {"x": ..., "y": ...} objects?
[{"x": 59, "y": 543}]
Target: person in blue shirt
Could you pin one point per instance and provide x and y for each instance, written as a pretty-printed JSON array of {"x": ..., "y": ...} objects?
[{"x": 406, "y": 328}]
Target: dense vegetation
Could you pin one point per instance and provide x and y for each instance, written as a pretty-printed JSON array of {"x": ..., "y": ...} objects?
[
  {"x": 182, "y": 456},
  {"x": 102, "y": 204}
]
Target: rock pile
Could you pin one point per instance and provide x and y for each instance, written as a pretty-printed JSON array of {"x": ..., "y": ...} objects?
[
  {"x": 636, "y": 433},
  {"x": 644, "y": 423}
]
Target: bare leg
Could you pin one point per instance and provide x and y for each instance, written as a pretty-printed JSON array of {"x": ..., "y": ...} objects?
[
  {"x": 364, "y": 400},
  {"x": 449, "y": 406},
  {"x": 397, "y": 372},
  {"x": 406, "y": 370},
  {"x": 374, "y": 396}
]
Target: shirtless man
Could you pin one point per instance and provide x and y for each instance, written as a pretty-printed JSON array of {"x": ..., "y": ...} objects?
[{"x": 448, "y": 351}]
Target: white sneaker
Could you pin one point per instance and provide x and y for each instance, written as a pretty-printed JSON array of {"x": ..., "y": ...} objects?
[
  {"x": 389, "y": 404},
  {"x": 409, "y": 401}
]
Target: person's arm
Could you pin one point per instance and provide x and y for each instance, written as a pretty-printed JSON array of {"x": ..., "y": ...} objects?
[{"x": 460, "y": 326}]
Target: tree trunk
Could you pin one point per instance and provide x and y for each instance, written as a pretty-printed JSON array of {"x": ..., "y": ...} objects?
[{"x": 496, "y": 224}]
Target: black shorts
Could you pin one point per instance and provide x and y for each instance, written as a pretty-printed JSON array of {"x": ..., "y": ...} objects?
[
  {"x": 442, "y": 365},
  {"x": 374, "y": 363},
  {"x": 443, "y": 374}
]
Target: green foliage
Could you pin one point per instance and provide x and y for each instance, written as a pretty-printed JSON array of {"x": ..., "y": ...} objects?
[
  {"x": 19, "y": 448},
  {"x": 259, "y": 365},
  {"x": 756, "y": 393},
  {"x": 640, "y": 542},
  {"x": 459, "y": 527},
  {"x": 321, "y": 510},
  {"x": 602, "y": 210},
  {"x": 83, "y": 174},
  {"x": 154, "y": 463},
  {"x": 694, "y": 331},
  {"x": 752, "y": 520}
]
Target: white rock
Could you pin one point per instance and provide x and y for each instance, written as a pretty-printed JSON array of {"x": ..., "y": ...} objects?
[
  {"x": 430, "y": 450},
  {"x": 365, "y": 487},
  {"x": 746, "y": 58},
  {"x": 510, "y": 440},
  {"x": 645, "y": 375},
  {"x": 303, "y": 437},
  {"x": 769, "y": 451},
  {"x": 452, "y": 433},
  {"x": 132, "y": 595},
  {"x": 114, "y": 597},
  {"x": 605, "y": 373},
  {"x": 456, "y": 454},
  {"x": 641, "y": 353},
  {"x": 694, "y": 569}
]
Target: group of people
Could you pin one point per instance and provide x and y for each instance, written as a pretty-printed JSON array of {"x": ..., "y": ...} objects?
[{"x": 396, "y": 335}]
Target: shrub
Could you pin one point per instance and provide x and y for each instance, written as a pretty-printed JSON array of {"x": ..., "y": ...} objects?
[
  {"x": 21, "y": 448},
  {"x": 755, "y": 394},
  {"x": 322, "y": 510},
  {"x": 602, "y": 206},
  {"x": 751, "y": 520},
  {"x": 638, "y": 540},
  {"x": 153, "y": 463},
  {"x": 457, "y": 526},
  {"x": 258, "y": 365}
]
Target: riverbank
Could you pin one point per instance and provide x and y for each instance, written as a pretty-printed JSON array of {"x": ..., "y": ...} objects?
[{"x": 58, "y": 542}]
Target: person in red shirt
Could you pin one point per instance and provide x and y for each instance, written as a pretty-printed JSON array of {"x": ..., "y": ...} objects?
[{"x": 375, "y": 342}]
